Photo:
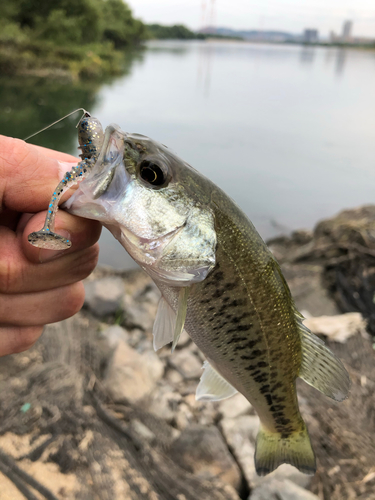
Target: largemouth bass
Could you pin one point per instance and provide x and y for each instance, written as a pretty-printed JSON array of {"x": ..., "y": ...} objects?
[{"x": 219, "y": 281}]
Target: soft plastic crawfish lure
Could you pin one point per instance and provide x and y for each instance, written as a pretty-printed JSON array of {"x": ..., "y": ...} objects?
[{"x": 90, "y": 138}]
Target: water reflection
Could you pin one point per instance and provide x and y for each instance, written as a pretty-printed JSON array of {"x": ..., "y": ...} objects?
[
  {"x": 307, "y": 55},
  {"x": 205, "y": 61},
  {"x": 341, "y": 56},
  {"x": 30, "y": 104},
  {"x": 282, "y": 129}
]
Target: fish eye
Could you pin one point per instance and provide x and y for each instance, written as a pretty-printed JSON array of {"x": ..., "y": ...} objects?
[{"x": 152, "y": 173}]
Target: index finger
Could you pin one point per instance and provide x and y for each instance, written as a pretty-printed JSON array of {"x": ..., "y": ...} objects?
[{"x": 27, "y": 175}]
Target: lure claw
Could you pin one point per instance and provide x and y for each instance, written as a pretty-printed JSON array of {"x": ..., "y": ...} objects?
[
  {"x": 90, "y": 136},
  {"x": 49, "y": 240}
]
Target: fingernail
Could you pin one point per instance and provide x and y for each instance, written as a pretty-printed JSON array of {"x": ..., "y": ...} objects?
[
  {"x": 46, "y": 255},
  {"x": 65, "y": 167}
]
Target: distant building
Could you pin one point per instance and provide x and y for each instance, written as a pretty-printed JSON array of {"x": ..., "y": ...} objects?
[
  {"x": 347, "y": 31},
  {"x": 310, "y": 36},
  {"x": 332, "y": 37}
]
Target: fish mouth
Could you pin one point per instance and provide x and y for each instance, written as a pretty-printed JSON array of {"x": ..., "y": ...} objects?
[{"x": 106, "y": 182}]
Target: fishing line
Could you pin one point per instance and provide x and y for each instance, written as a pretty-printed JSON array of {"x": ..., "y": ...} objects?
[{"x": 57, "y": 121}]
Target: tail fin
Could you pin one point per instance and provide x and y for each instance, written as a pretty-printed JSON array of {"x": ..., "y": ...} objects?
[{"x": 273, "y": 450}]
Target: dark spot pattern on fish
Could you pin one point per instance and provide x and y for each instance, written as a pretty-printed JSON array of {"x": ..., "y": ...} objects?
[
  {"x": 252, "y": 343},
  {"x": 238, "y": 303},
  {"x": 238, "y": 319},
  {"x": 277, "y": 408},
  {"x": 268, "y": 398},
  {"x": 218, "y": 293},
  {"x": 236, "y": 339},
  {"x": 240, "y": 328}
]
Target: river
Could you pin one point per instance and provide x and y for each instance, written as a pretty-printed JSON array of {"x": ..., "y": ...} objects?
[{"x": 287, "y": 131}]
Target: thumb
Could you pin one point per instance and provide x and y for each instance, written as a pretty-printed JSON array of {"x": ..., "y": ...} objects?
[{"x": 27, "y": 175}]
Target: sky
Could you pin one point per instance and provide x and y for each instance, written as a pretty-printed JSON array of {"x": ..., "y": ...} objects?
[{"x": 286, "y": 15}]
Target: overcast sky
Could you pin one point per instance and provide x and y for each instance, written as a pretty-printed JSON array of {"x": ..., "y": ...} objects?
[{"x": 288, "y": 15}]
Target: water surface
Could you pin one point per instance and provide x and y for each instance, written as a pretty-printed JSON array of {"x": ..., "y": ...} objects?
[{"x": 286, "y": 131}]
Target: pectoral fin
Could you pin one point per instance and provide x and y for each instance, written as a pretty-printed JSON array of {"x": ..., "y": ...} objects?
[
  {"x": 168, "y": 325},
  {"x": 181, "y": 315},
  {"x": 164, "y": 326},
  {"x": 212, "y": 386},
  {"x": 320, "y": 367}
]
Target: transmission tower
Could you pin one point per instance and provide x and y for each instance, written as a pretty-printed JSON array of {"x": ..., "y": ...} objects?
[{"x": 208, "y": 13}]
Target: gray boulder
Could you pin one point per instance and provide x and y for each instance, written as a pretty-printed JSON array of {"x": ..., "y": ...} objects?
[
  {"x": 274, "y": 489},
  {"x": 104, "y": 296},
  {"x": 202, "y": 451}
]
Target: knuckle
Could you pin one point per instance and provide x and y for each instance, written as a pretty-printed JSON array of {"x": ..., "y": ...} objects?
[
  {"x": 74, "y": 299},
  {"x": 86, "y": 262},
  {"x": 8, "y": 275}
]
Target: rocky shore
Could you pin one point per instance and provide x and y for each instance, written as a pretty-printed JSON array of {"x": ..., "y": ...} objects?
[{"x": 92, "y": 412}]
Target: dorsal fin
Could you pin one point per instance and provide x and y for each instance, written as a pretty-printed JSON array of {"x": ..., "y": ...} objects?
[{"x": 320, "y": 367}]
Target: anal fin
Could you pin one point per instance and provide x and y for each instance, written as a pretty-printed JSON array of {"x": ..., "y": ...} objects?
[{"x": 212, "y": 386}]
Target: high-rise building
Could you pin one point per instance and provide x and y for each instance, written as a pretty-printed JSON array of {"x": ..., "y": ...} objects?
[
  {"x": 311, "y": 36},
  {"x": 347, "y": 31}
]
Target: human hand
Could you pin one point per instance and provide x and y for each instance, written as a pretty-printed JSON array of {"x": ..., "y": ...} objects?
[{"x": 37, "y": 286}]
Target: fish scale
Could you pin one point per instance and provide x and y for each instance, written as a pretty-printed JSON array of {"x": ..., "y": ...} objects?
[
  {"x": 219, "y": 280},
  {"x": 246, "y": 350}
]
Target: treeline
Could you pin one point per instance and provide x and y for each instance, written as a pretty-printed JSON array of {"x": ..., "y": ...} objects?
[
  {"x": 178, "y": 31},
  {"x": 82, "y": 37},
  {"x": 71, "y": 21},
  {"x": 181, "y": 32}
]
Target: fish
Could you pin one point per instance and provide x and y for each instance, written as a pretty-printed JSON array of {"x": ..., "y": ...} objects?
[{"x": 218, "y": 281}]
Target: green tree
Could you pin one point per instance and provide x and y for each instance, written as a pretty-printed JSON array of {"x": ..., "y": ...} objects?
[{"x": 119, "y": 25}]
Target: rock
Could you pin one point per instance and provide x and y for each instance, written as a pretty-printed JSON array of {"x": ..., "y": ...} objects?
[
  {"x": 154, "y": 364},
  {"x": 274, "y": 489},
  {"x": 184, "y": 416},
  {"x": 163, "y": 402},
  {"x": 186, "y": 363},
  {"x": 204, "y": 412},
  {"x": 136, "y": 336},
  {"x": 140, "y": 309},
  {"x": 174, "y": 377},
  {"x": 115, "y": 334},
  {"x": 235, "y": 406},
  {"x": 130, "y": 375},
  {"x": 142, "y": 431},
  {"x": 307, "y": 288},
  {"x": 104, "y": 296},
  {"x": 338, "y": 328},
  {"x": 202, "y": 451},
  {"x": 184, "y": 340},
  {"x": 240, "y": 434}
]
